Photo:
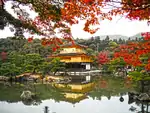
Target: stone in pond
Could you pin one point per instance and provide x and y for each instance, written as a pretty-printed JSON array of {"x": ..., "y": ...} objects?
[
  {"x": 27, "y": 95},
  {"x": 143, "y": 97}
]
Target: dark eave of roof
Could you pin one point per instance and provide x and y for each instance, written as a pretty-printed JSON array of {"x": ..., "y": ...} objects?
[
  {"x": 72, "y": 54},
  {"x": 69, "y": 54}
]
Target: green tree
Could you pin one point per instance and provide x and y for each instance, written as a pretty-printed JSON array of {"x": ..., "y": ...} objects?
[
  {"x": 57, "y": 65},
  {"x": 9, "y": 69},
  {"x": 33, "y": 62}
]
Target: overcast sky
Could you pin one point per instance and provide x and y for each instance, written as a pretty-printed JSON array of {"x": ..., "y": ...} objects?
[
  {"x": 115, "y": 27},
  {"x": 118, "y": 26}
]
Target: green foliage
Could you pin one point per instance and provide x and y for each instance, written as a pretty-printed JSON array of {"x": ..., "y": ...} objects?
[
  {"x": 8, "y": 69},
  {"x": 93, "y": 55},
  {"x": 117, "y": 63},
  {"x": 112, "y": 44},
  {"x": 45, "y": 68},
  {"x": 102, "y": 43},
  {"x": 36, "y": 47},
  {"x": 23, "y": 56},
  {"x": 144, "y": 59},
  {"x": 90, "y": 51},
  {"x": 12, "y": 94},
  {"x": 22, "y": 46},
  {"x": 57, "y": 65},
  {"x": 115, "y": 86},
  {"x": 33, "y": 62},
  {"x": 16, "y": 58},
  {"x": 138, "y": 76}
]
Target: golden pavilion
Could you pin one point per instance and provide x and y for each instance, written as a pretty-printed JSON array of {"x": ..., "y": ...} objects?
[{"x": 75, "y": 57}]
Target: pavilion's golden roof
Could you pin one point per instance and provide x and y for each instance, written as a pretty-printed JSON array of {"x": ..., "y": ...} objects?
[{"x": 73, "y": 45}]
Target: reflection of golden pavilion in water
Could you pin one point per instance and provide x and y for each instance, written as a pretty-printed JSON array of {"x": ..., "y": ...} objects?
[{"x": 74, "y": 93}]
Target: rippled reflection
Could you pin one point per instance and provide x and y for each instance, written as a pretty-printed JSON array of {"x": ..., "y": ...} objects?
[{"x": 106, "y": 96}]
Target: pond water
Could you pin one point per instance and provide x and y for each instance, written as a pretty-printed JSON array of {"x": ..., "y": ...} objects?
[
  {"x": 86, "y": 106},
  {"x": 91, "y": 99}
]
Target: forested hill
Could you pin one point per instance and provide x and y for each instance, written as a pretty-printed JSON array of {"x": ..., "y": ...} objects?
[
  {"x": 113, "y": 37},
  {"x": 22, "y": 46},
  {"x": 99, "y": 43}
]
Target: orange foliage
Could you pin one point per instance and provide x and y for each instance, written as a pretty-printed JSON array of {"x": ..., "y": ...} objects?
[
  {"x": 132, "y": 52},
  {"x": 137, "y": 9}
]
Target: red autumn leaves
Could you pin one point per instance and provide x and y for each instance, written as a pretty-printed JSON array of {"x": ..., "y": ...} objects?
[
  {"x": 133, "y": 52},
  {"x": 3, "y": 56},
  {"x": 89, "y": 10},
  {"x": 85, "y": 1},
  {"x": 88, "y": 1},
  {"x": 103, "y": 57},
  {"x": 136, "y": 9},
  {"x": 129, "y": 58},
  {"x": 146, "y": 35},
  {"x": 30, "y": 39},
  {"x": 54, "y": 42}
]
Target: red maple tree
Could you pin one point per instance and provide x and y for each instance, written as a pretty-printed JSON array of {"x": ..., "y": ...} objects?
[
  {"x": 133, "y": 52},
  {"x": 3, "y": 55},
  {"x": 103, "y": 57}
]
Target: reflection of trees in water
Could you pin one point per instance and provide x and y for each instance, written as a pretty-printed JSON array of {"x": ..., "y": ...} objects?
[
  {"x": 142, "y": 93},
  {"x": 115, "y": 87},
  {"x": 109, "y": 97},
  {"x": 107, "y": 93},
  {"x": 144, "y": 106},
  {"x": 121, "y": 99},
  {"x": 46, "y": 109},
  {"x": 32, "y": 102},
  {"x": 43, "y": 92}
]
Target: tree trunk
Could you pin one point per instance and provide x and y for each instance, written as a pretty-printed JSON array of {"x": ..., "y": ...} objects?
[
  {"x": 147, "y": 108},
  {"x": 11, "y": 80},
  {"x": 34, "y": 88},
  {"x": 42, "y": 80},
  {"x": 142, "y": 86},
  {"x": 55, "y": 73},
  {"x": 142, "y": 108},
  {"x": 34, "y": 70}
]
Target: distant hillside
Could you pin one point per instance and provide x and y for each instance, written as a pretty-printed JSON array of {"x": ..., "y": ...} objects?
[
  {"x": 114, "y": 37},
  {"x": 138, "y": 35}
]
